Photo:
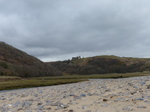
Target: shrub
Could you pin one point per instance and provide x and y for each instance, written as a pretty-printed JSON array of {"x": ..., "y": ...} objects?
[{"x": 4, "y": 65}]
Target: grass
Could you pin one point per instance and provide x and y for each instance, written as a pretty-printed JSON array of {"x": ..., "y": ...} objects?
[
  {"x": 123, "y": 59},
  {"x": 6, "y": 85},
  {"x": 9, "y": 78},
  {"x": 12, "y": 82}
]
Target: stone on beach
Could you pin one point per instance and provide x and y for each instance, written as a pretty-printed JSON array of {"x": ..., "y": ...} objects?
[{"x": 104, "y": 95}]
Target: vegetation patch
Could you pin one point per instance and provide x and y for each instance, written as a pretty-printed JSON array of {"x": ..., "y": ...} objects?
[
  {"x": 18, "y": 82},
  {"x": 4, "y": 65},
  {"x": 102, "y": 65}
]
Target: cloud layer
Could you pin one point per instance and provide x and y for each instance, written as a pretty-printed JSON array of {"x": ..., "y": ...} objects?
[{"x": 60, "y": 29}]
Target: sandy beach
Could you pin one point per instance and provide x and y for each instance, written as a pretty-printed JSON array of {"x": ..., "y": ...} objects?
[{"x": 104, "y": 95}]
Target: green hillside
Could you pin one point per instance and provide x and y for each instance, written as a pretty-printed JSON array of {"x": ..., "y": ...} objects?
[{"x": 102, "y": 65}]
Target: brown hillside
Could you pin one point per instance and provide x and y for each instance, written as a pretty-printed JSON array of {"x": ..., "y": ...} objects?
[
  {"x": 102, "y": 64},
  {"x": 18, "y": 63}
]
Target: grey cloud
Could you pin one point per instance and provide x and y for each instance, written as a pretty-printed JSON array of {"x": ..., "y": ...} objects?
[{"x": 51, "y": 29}]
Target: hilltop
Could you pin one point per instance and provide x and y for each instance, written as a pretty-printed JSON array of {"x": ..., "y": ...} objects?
[
  {"x": 102, "y": 64},
  {"x": 14, "y": 62}
]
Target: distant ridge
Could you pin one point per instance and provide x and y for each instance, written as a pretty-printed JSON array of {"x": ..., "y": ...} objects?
[
  {"x": 18, "y": 63},
  {"x": 102, "y": 64}
]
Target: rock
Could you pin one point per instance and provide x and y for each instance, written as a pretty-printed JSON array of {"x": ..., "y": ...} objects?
[
  {"x": 40, "y": 107},
  {"x": 4, "y": 110},
  {"x": 26, "y": 104},
  {"x": 142, "y": 83},
  {"x": 73, "y": 103},
  {"x": 141, "y": 107},
  {"x": 82, "y": 95},
  {"x": 59, "y": 105},
  {"x": 119, "y": 99},
  {"x": 107, "y": 90},
  {"x": 130, "y": 84},
  {"x": 89, "y": 94},
  {"x": 39, "y": 111},
  {"x": 132, "y": 93},
  {"x": 66, "y": 96},
  {"x": 148, "y": 102},
  {"x": 141, "y": 99},
  {"x": 148, "y": 87},
  {"x": 28, "y": 111},
  {"x": 58, "y": 108},
  {"x": 141, "y": 91},
  {"x": 128, "y": 108},
  {"x": 105, "y": 105},
  {"x": 31, "y": 99},
  {"x": 2, "y": 98},
  {"x": 88, "y": 111},
  {"x": 16, "y": 103},
  {"x": 105, "y": 100},
  {"x": 11, "y": 99},
  {"x": 56, "y": 104},
  {"x": 19, "y": 109},
  {"x": 40, "y": 92},
  {"x": 84, "y": 107},
  {"x": 49, "y": 108},
  {"x": 65, "y": 91},
  {"x": 72, "y": 95},
  {"x": 23, "y": 95},
  {"x": 40, "y": 103},
  {"x": 77, "y": 97},
  {"x": 65, "y": 110},
  {"x": 49, "y": 102},
  {"x": 145, "y": 97},
  {"x": 64, "y": 106},
  {"x": 135, "y": 86},
  {"x": 9, "y": 105},
  {"x": 36, "y": 95},
  {"x": 71, "y": 110}
]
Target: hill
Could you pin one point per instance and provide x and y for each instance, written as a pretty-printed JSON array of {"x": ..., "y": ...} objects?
[
  {"x": 18, "y": 63},
  {"x": 102, "y": 64}
]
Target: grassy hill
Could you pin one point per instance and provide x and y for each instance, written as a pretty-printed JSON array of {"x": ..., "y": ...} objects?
[
  {"x": 102, "y": 64},
  {"x": 14, "y": 62}
]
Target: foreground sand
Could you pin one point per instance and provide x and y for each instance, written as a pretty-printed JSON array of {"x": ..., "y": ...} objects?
[{"x": 105, "y": 95}]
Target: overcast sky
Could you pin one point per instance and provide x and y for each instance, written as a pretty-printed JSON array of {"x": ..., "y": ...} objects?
[{"x": 54, "y": 30}]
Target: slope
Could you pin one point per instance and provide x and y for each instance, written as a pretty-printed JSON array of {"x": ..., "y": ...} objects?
[
  {"x": 102, "y": 64},
  {"x": 18, "y": 63}
]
